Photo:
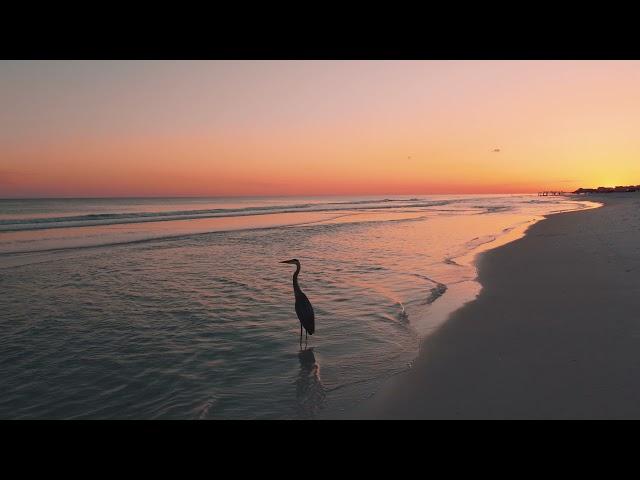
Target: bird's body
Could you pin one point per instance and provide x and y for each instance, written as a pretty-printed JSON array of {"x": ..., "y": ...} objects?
[
  {"x": 304, "y": 310},
  {"x": 303, "y": 307}
]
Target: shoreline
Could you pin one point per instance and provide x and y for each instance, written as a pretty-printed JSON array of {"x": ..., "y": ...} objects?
[
  {"x": 549, "y": 335},
  {"x": 468, "y": 290}
]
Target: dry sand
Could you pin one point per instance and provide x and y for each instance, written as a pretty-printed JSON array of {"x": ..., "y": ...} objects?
[{"x": 555, "y": 332}]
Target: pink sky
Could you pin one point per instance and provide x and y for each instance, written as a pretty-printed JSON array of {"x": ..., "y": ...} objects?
[{"x": 316, "y": 127}]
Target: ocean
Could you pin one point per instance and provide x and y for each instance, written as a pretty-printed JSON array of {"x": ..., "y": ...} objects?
[{"x": 178, "y": 308}]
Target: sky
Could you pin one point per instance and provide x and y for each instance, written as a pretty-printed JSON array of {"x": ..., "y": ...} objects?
[{"x": 227, "y": 128}]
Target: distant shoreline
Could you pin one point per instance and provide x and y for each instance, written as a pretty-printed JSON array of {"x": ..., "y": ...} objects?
[
  {"x": 616, "y": 189},
  {"x": 550, "y": 336}
]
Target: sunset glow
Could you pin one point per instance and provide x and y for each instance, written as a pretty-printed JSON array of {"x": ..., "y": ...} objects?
[{"x": 316, "y": 127}]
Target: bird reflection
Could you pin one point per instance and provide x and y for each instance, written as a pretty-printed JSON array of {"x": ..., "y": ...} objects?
[{"x": 310, "y": 392}]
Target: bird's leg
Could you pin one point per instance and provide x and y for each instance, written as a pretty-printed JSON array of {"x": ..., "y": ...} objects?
[
  {"x": 300, "y": 335},
  {"x": 306, "y": 337}
]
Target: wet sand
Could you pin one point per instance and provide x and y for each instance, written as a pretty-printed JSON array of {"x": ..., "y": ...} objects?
[{"x": 554, "y": 333}]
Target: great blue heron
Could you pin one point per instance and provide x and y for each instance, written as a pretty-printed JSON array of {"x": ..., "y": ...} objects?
[{"x": 304, "y": 310}]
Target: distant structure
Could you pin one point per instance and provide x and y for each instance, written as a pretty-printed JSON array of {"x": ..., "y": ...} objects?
[
  {"x": 619, "y": 188},
  {"x": 550, "y": 193}
]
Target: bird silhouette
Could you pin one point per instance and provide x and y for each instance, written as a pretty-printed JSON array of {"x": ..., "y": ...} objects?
[{"x": 304, "y": 310}]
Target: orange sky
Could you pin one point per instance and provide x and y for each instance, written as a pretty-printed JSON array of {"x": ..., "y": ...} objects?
[{"x": 316, "y": 127}]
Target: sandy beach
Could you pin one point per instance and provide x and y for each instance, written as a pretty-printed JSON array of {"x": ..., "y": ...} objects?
[{"x": 554, "y": 333}]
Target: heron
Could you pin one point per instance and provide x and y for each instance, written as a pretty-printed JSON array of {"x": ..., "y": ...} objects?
[{"x": 304, "y": 310}]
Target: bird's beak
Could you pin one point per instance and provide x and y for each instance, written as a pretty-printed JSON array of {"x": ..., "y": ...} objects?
[{"x": 287, "y": 261}]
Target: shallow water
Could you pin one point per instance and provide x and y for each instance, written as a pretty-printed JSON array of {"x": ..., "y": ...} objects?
[{"x": 178, "y": 308}]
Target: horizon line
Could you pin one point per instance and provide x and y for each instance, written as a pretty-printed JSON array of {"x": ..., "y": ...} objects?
[{"x": 82, "y": 197}]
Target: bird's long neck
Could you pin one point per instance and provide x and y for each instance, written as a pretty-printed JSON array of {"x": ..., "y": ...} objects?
[{"x": 296, "y": 287}]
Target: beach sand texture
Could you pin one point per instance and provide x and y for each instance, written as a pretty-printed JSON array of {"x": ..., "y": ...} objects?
[{"x": 554, "y": 334}]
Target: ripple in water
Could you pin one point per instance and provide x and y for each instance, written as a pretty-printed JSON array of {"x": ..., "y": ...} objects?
[{"x": 201, "y": 325}]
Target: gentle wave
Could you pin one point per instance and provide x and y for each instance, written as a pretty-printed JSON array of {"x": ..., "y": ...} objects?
[
  {"x": 9, "y": 225},
  {"x": 142, "y": 215},
  {"x": 436, "y": 292}
]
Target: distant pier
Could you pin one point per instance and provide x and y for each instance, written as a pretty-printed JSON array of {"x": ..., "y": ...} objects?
[{"x": 550, "y": 193}]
